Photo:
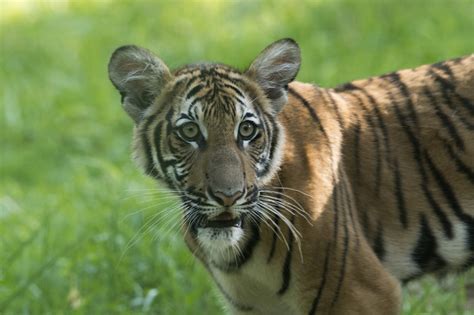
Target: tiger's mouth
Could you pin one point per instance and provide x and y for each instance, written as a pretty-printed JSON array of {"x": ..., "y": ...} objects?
[
  {"x": 223, "y": 220},
  {"x": 218, "y": 232}
]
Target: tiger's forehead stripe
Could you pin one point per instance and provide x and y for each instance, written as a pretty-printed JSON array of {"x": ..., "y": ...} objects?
[
  {"x": 194, "y": 91},
  {"x": 214, "y": 95},
  {"x": 230, "y": 82}
]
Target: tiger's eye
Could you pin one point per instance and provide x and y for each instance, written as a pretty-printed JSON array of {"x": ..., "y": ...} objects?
[
  {"x": 189, "y": 131},
  {"x": 247, "y": 130}
]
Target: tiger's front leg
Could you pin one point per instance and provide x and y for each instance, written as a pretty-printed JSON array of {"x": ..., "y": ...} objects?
[{"x": 363, "y": 286}]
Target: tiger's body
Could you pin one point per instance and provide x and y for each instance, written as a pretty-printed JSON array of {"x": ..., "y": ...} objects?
[
  {"x": 414, "y": 131},
  {"x": 334, "y": 197}
]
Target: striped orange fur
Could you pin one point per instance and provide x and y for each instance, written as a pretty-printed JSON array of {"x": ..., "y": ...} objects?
[{"x": 306, "y": 200}]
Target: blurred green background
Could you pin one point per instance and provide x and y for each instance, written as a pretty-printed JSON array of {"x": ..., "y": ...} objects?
[{"x": 74, "y": 210}]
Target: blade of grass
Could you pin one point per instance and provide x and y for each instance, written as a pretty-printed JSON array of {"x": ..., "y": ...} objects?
[{"x": 39, "y": 272}]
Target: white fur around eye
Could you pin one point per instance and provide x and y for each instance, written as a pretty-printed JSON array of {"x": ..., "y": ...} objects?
[{"x": 247, "y": 115}]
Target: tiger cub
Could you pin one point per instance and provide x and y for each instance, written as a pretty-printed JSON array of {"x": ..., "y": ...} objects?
[{"x": 305, "y": 200}]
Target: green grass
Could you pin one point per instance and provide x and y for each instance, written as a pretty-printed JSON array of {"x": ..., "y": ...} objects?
[{"x": 68, "y": 189}]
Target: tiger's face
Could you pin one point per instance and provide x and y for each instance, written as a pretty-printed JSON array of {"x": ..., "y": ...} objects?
[
  {"x": 222, "y": 141},
  {"x": 210, "y": 132}
]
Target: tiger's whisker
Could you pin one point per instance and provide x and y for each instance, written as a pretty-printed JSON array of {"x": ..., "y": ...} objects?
[
  {"x": 290, "y": 225},
  {"x": 279, "y": 233},
  {"x": 287, "y": 206}
]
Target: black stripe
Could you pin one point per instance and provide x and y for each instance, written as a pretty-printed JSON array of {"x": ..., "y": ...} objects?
[
  {"x": 149, "y": 165},
  {"x": 235, "y": 89},
  {"x": 447, "y": 226},
  {"x": 168, "y": 117},
  {"x": 176, "y": 147},
  {"x": 276, "y": 220},
  {"x": 342, "y": 271},
  {"x": 443, "y": 219},
  {"x": 365, "y": 218},
  {"x": 381, "y": 123},
  {"x": 335, "y": 204},
  {"x": 447, "y": 191},
  {"x": 248, "y": 114},
  {"x": 470, "y": 240},
  {"x": 443, "y": 66},
  {"x": 317, "y": 120},
  {"x": 349, "y": 86},
  {"x": 447, "y": 85},
  {"x": 398, "y": 191},
  {"x": 469, "y": 262},
  {"x": 373, "y": 128},
  {"x": 357, "y": 148},
  {"x": 179, "y": 178},
  {"x": 190, "y": 81},
  {"x": 287, "y": 265},
  {"x": 379, "y": 246},
  {"x": 417, "y": 147},
  {"x": 447, "y": 100},
  {"x": 460, "y": 166},
  {"x": 228, "y": 104},
  {"x": 425, "y": 252},
  {"x": 194, "y": 91},
  {"x": 458, "y": 60},
  {"x": 198, "y": 99},
  {"x": 336, "y": 109},
  {"x": 317, "y": 299},
  {"x": 395, "y": 79},
  {"x": 445, "y": 121},
  {"x": 161, "y": 161},
  {"x": 311, "y": 111},
  {"x": 225, "y": 75},
  {"x": 150, "y": 169},
  {"x": 192, "y": 191},
  {"x": 347, "y": 193},
  {"x": 274, "y": 133},
  {"x": 417, "y": 155}
]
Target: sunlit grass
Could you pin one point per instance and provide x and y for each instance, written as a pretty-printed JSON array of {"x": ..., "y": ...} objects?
[{"x": 69, "y": 194}]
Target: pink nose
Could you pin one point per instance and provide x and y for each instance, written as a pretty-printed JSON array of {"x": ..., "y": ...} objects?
[{"x": 224, "y": 199}]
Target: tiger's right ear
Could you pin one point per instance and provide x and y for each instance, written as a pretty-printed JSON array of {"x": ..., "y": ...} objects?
[{"x": 139, "y": 76}]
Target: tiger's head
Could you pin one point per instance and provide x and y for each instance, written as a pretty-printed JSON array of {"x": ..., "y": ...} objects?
[{"x": 210, "y": 132}]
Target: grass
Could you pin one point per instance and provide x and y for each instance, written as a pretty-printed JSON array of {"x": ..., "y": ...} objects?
[{"x": 69, "y": 194}]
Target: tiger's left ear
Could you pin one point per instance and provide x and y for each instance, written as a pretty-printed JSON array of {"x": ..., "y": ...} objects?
[{"x": 275, "y": 67}]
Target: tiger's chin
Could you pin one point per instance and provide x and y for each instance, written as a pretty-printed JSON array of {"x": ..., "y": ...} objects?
[{"x": 220, "y": 240}]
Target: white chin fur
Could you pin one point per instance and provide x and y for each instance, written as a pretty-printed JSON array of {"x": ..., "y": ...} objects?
[{"x": 218, "y": 243}]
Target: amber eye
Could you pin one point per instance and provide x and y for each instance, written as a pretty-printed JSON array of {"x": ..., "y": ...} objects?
[
  {"x": 247, "y": 130},
  {"x": 189, "y": 131}
]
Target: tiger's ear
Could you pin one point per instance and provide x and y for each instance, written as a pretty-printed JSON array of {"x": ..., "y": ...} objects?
[
  {"x": 275, "y": 67},
  {"x": 139, "y": 76}
]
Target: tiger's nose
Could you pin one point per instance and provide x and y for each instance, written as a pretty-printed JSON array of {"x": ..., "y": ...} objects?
[{"x": 226, "y": 199}]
